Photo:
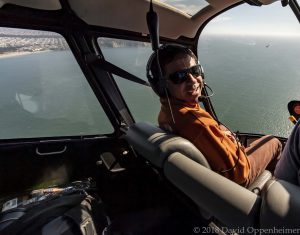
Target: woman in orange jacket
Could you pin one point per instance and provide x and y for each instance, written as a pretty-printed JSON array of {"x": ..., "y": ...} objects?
[{"x": 179, "y": 88}]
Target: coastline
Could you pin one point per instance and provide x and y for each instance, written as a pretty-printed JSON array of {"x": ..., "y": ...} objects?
[{"x": 15, "y": 54}]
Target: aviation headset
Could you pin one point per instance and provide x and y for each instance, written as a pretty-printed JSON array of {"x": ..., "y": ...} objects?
[{"x": 164, "y": 54}]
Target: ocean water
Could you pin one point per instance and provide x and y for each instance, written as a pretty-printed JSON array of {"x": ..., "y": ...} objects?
[
  {"x": 253, "y": 80},
  {"x": 46, "y": 94}
]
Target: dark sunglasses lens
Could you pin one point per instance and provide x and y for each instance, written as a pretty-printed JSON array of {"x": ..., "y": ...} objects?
[
  {"x": 178, "y": 77},
  {"x": 181, "y": 76},
  {"x": 196, "y": 71}
]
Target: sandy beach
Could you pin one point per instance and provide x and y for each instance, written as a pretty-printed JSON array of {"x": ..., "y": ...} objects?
[{"x": 14, "y": 54}]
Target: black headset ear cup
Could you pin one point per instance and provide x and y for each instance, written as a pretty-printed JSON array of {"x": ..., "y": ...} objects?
[
  {"x": 158, "y": 84},
  {"x": 162, "y": 87}
]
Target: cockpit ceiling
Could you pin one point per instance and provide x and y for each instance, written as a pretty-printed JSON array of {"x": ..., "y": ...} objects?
[{"x": 130, "y": 15}]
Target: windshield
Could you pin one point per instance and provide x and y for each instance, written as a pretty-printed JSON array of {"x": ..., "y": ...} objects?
[
  {"x": 251, "y": 60},
  {"x": 132, "y": 56},
  {"x": 43, "y": 99}
]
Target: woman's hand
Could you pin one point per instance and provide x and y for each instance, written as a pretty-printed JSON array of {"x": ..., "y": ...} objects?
[{"x": 228, "y": 133}]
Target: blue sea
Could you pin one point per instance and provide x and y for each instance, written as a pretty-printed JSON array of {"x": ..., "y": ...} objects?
[{"x": 253, "y": 79}]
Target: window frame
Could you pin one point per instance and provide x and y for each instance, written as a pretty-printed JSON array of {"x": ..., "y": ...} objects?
[{"x": 131, "y": 39}]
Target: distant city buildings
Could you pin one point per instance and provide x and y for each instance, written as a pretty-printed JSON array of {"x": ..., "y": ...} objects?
[
  {"x": 22, "y": 40},
  {"x": 16, "y": 40}
]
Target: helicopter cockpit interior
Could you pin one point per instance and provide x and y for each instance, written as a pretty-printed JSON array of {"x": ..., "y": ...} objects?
[{"x": 80, "y": 147}]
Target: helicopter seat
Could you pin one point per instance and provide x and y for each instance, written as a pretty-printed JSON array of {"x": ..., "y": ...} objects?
[
  {"x": 156, "y": 145},
  {"x": 188, "y": 170}
]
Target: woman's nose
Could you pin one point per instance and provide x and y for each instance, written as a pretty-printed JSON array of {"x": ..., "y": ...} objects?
[{"x": 195, "y": 79}]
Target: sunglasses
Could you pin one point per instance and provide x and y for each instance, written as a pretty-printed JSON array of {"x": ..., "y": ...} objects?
[{"x": 182, "y": 75}]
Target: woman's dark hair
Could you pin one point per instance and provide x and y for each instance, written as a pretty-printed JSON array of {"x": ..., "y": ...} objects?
[{"x": 166, "y": 54}]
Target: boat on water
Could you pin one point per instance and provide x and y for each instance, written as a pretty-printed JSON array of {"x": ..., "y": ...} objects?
[{"x": 72, "y": 119}]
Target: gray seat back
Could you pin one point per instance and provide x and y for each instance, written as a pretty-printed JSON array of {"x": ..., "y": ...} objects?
[
  {"x": 230, "y": 203},
  {"x": 280, "y": 207},
  {"x": 156, "y": 145}
]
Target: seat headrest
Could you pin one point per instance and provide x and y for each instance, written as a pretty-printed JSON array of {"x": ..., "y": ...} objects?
[{"x": 156, "y": 145}]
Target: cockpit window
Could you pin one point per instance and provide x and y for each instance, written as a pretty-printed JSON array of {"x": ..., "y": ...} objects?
[
  {"x": 132, "y": 56},
  {"x": 190, "y": 7},
  {"x": 43, "y": 92},
  {"x": 251, "y": 61}
]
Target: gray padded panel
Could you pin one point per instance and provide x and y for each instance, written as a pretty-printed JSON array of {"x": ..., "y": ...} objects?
[
  {"x": 280, "y": 206},
  {"x": 230, "y": 203},
  {"x": 156, "y": 145}
]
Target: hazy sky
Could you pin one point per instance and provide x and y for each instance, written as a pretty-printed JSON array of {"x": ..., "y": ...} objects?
[{"x": 270, "y": 19}]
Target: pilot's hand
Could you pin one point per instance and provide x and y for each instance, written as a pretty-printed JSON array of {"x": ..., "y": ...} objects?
[
  {"x": 228, "y": 133},
  {"x": 231, "y": 136}
]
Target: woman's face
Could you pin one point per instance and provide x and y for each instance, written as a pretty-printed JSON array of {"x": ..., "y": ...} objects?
[{"x": 189, "y": 90}]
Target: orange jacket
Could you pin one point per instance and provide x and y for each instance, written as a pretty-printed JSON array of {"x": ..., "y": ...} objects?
[{"x": 196, "y": 125}]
